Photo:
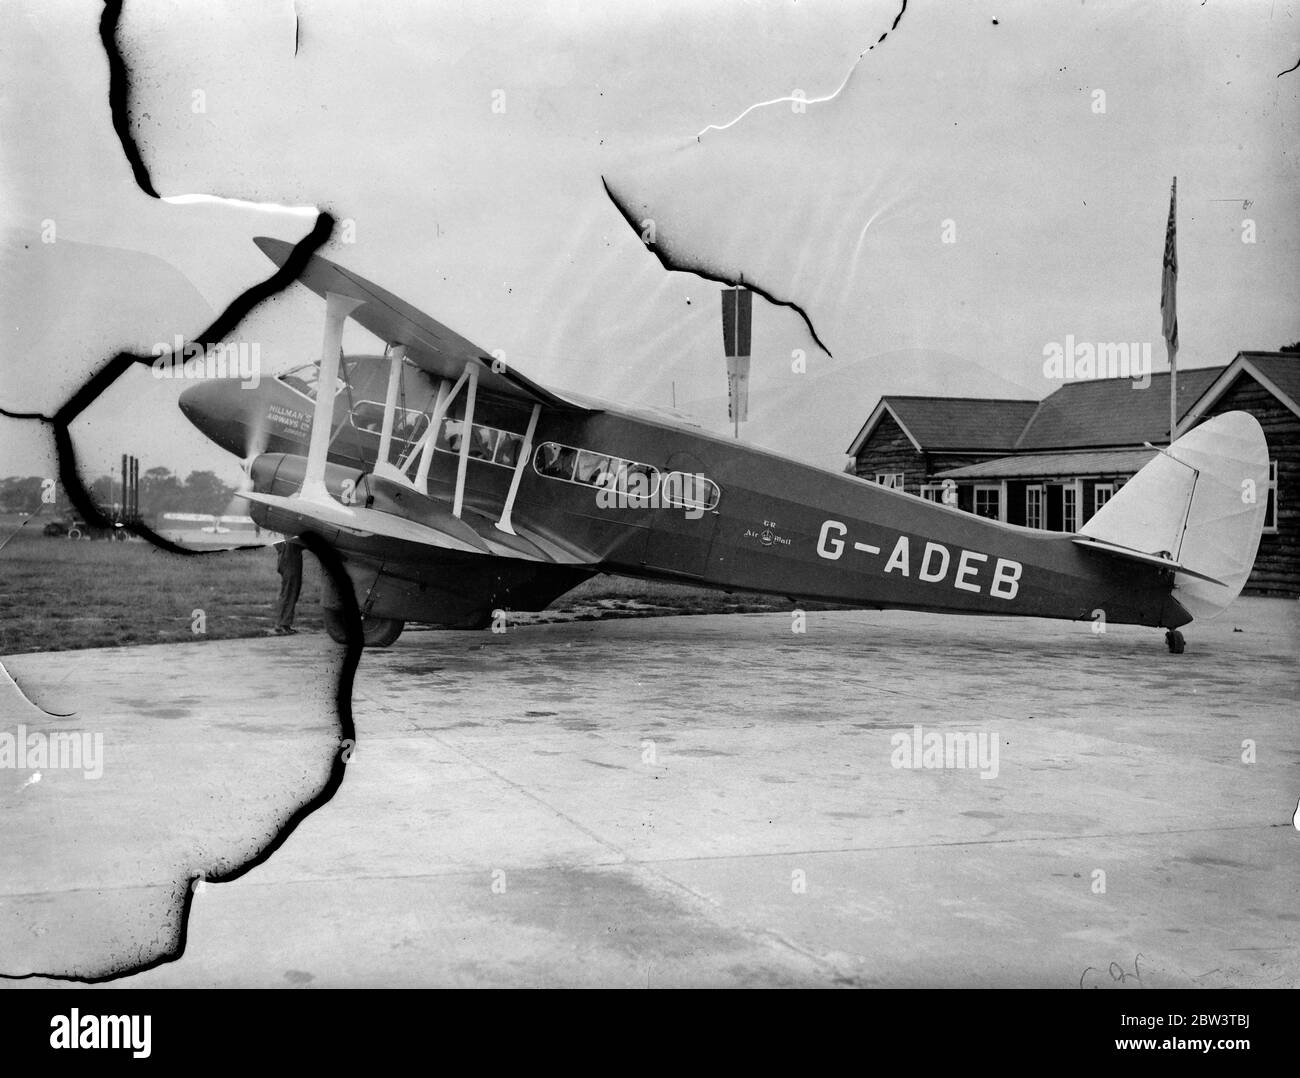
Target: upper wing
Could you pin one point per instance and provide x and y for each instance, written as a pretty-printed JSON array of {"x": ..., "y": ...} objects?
[{"x": 431, "y": 345}]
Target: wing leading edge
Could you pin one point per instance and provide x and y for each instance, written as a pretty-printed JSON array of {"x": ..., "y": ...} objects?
[{"x": 435, "y": 348}]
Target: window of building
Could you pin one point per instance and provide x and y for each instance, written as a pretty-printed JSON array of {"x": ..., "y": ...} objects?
[
  {"x": 988, "y": 502},
  {"x": 932, "y": 492},
  {"x": 1070, "y": 508},
  {"x": 1033, "y": 507},
  {"x": 1270, "y": 508},
  {"x": 1101, "y": 494},
  {"x": 893, "y": 480}
]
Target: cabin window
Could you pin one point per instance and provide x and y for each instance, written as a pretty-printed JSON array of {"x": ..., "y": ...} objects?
[
  {"x": 508, "y": 449},
  {"x": 893, "y": 480},
  {"x": 988, "y": 502},
  {"x": 687, "y": 491},
  {"x": 638, "y": 482},
  {"x": 584, "y": 467},
  {"x": 488, "y": 444},
  {"x": 408, "y": 425},
  {"x": 1270, "y": 506},
  {"x": 1101, "y": 494},
  {"x": 592, "y": 468},
  {"x": 555, "y": 461}
]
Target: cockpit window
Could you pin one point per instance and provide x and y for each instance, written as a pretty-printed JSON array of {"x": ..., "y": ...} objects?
[{"x": 304, "y": 380}]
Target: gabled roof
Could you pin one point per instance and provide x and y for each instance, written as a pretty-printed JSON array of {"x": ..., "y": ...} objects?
[
  {"x": 1278, "y": 372},
  {"x": 1098, "y": 462},
  {"x": 1112, "y": 411},
  {"x": 975, "y": 424}
]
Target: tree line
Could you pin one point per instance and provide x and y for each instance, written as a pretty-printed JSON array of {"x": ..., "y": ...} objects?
[{"x": 160, "y": 492}]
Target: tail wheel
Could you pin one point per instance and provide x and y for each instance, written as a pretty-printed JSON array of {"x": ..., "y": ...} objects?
[
  {"x": 74, "y": 533},
  {"x": 375, "y": 632},
  {"x": 1175, "y": 642}
]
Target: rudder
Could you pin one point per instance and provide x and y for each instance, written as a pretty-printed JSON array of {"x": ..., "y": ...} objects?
[{"x": 1200, "y": 503}]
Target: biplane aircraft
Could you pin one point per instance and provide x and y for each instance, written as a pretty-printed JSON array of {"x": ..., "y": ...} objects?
[{"x": 451, "y": 485}]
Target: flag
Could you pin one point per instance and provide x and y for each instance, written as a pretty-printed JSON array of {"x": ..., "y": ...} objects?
[
  {"x": 737, "y": 313},
  {"x": 1169, "y": 278}
]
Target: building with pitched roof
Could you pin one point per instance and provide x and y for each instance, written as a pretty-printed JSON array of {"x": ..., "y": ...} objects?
[{"x": 1053, "y": 463}]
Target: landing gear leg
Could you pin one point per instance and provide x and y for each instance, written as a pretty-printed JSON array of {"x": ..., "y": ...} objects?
[{"x": 1175, "y": 641}]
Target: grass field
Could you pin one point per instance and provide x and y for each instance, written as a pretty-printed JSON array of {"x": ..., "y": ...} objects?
[{"x": 57, "y": 594}]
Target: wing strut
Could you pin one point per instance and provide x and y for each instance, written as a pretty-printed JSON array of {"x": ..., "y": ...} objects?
[
  {"x": 466, "y": 435},
  {"x": 525, "y": 455},
  {"x": 337, "y": 309},
  {"x": 396, "y": 357},
  {"x": 443, "y": 402}
]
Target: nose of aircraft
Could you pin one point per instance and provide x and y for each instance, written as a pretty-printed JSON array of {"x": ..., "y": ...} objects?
[{"x": 223, "y": 411}]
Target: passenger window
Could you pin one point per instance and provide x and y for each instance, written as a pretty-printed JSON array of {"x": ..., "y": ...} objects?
[
  {"x": 637, "y": 481},
  {"x": 368, "y": 417},
  {"x": 483, "y": 443},
  {"x": 449, "y": 439},
  {"x": 508, "y": 449},
  {"x": 592, "y": 468},
  {"x": 555, "y": 460},
  {"x": 409, "y": 426},
  {"x": 690, "y": 491}
]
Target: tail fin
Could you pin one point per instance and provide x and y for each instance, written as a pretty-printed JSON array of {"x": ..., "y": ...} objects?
[{"x": 1199, "y": 504}]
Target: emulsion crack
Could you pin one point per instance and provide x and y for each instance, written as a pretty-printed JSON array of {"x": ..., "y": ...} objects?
[{"x": 670, "y": 261}]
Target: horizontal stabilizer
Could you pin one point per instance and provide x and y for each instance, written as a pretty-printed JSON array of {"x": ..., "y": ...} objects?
[{"x": 1143, "y": 557}]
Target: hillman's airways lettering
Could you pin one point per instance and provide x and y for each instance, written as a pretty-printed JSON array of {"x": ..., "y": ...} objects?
[
  {"x": 934, "y": 563},
  {"x": 76, "y": 1030}
]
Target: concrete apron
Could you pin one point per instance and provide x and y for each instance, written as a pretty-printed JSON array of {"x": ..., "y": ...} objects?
[{"x": 713, "y": 800}]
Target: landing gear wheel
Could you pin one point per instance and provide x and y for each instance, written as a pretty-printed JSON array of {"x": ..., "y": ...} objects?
[
  {"x": 1175, "y": 641},
  {"x": 375, "y": 632}
]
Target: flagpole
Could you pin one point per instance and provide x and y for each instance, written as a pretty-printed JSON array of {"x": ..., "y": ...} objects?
[
  {"x": 735, "y": 401},
  {"x": 1169, "y": 308},
  {"x": 1173, "y": 390}
]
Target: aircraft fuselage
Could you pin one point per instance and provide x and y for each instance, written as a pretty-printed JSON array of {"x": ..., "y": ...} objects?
[{"x": 755, "y": 521}]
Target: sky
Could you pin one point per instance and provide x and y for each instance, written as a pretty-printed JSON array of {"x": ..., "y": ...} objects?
[{"x": 944, "y": 204}]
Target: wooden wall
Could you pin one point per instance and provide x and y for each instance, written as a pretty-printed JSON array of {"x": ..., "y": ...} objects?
[
  {"x": 1277, "y": 565},
  {"x": 890, "y": 450}
]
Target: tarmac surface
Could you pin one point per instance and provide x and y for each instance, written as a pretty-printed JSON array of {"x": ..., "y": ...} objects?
[{"x": 710, "y": 801}]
